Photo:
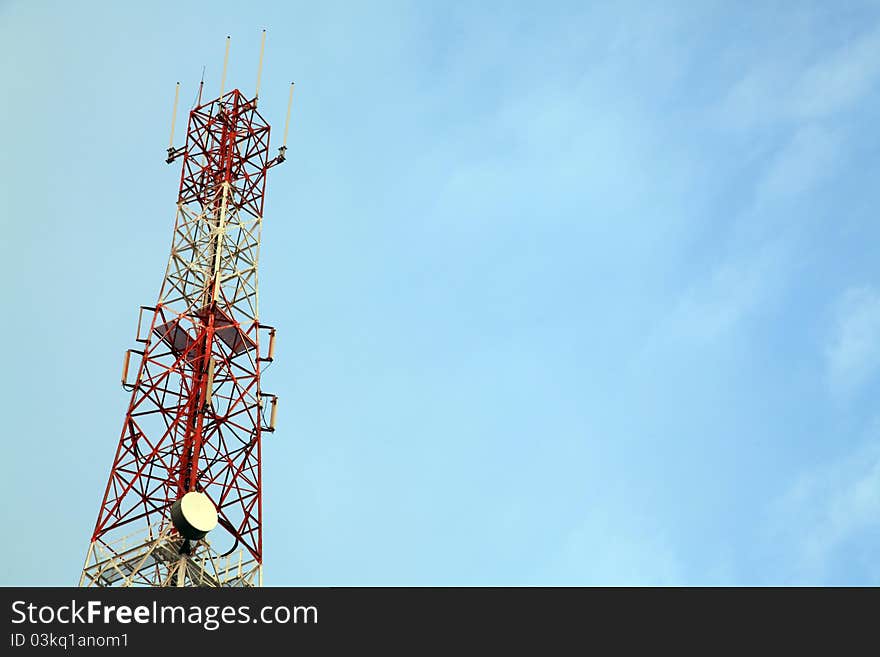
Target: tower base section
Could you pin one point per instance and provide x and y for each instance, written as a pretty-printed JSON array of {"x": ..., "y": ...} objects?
[{"x": 158, "y": 556}]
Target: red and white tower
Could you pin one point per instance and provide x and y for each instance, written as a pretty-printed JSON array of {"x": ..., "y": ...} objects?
[{"x": 183, "y": 504}]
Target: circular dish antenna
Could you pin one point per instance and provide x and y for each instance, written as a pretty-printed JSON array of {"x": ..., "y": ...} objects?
[{"x": 194, "y": 515}]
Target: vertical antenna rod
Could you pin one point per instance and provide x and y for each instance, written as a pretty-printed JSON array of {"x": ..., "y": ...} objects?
[
  {"x": 287, "y": 121},
  {"x": 174, "y": 115},
  {"x": 260, "y": 66},
  {"x": 201, "y": 86},
  {"x": 173, "y": 153},
  {"x": 278, "y": 159},
  {"x": 225, "y": 61}
]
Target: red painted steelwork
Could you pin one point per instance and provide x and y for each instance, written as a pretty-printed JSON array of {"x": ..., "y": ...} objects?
[{"x": 195, "y": 419}]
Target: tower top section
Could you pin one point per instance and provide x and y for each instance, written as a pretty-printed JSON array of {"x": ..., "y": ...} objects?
[{"x": 183, "y": 503}]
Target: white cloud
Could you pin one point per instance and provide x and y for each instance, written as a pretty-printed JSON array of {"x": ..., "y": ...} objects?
[
  {"x": 853, "y": 354},
  {"x": 625, "y": 550},
  {"x": 839, "y": 79},
  {"x": 811, "y": 154},
  {"x": 715, "y": 305},
  {"x": 719, "y": 303},
  {"x": 828, "y": 510},
  {"x": 796, "y": 84}
]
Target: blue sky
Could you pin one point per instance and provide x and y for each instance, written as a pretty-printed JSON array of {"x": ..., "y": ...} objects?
[{"x": 566, "y": 293}]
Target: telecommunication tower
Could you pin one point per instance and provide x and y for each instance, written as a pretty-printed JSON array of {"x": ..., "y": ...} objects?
[{"x": 183, "y": 504}]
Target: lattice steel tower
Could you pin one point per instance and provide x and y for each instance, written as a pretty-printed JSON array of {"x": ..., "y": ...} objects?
[{"x": 183, "y": 502}]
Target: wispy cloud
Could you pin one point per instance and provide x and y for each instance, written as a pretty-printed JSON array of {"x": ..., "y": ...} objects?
[
  {"x": 713, "y": 306},
  {"x": 827, "y": 512},
  {"x": 812, "y": 153},
  {"x": 622, "y": 550},
  {"x": 804, "y": 92},
  {"x": 853, "y": 354},
  {"x": 805, "y": 84},
  {"x": 839, "y": 79}
]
